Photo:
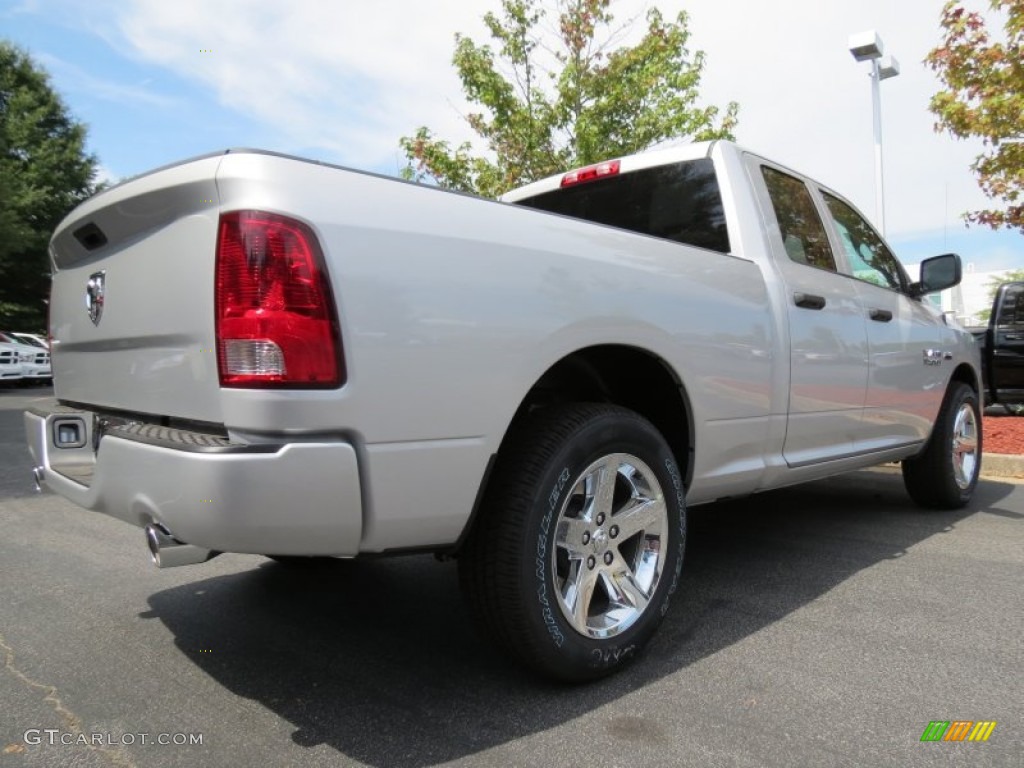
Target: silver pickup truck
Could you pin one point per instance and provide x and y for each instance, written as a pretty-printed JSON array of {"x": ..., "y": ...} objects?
[{"x": 260, "y": 354}]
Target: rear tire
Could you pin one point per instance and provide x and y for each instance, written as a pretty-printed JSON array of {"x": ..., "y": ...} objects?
[
  {"x": 945, "y": 474},
  {"x": 580, "y": 541}
]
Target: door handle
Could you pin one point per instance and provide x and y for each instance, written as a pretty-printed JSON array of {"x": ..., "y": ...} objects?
[
  {"x": 881, "y": 315},
  {"x": 809, "y": 301}
]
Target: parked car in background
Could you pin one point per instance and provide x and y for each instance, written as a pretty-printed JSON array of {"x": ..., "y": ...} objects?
[
  {"x": 1002, "y": 349},
  {"x": 10, "y": 363},
  {"x": 35, "y": 361},
  {"x": 33, "y": 339}
]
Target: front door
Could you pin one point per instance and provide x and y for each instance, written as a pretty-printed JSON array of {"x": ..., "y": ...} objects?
[{"x": 908, "y": 369}]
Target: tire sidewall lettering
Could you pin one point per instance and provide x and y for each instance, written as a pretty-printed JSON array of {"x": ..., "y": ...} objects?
[
  {"x": 612, "y": 652},
  {"x": 677, "y": 487},
  {"x": 545, "y": 541}
]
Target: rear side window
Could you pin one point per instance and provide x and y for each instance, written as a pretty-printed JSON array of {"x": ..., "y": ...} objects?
[
  {"x": 680, "y": 202},
  {"x": 803, "y": 234}
]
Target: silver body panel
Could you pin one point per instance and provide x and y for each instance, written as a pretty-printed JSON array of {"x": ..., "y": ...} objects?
[{"x": 451, "y": 308}]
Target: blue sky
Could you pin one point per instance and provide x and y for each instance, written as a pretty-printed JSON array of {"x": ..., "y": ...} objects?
[{"x": 341, "y": 82}]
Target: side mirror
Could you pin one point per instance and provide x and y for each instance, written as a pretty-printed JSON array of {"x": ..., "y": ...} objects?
[{"x": 937, "y": 274}]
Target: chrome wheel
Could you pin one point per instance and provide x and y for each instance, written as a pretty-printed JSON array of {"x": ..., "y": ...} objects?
[
  {"x": 965, "y": 446},
  {"x": 573, "y": 563},
  {"x": 610, "y": 539},
  {"x": 945, "y": 474}
]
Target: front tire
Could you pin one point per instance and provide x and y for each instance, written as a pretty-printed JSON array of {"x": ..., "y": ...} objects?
[
  {"x": 580, "y": 543},
  {"x": 945, "y": 474}
]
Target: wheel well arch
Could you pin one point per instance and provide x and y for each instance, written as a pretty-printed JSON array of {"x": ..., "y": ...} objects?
[
  {"x": 623, "y": 375},
  {"x": 965, "y": 374}
]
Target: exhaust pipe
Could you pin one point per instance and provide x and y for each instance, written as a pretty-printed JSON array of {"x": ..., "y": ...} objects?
[
  {"x": 168, "y": 552},
  {"x": 39, "y": 478}
]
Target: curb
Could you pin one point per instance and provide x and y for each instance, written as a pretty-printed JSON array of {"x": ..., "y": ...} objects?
[{"x": 1002, "y": 465}]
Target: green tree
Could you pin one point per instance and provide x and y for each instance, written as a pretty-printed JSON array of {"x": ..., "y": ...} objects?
[
  {"x": 546, "y": 101},
  {"x": 984, "y": 79},
  {"x": 44, "y": 173}
]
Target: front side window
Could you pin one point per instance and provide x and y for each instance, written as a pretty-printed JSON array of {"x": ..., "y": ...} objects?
[
  {"x": 679, "y": 202},
  {"x": 803, "y": 234},
  {"x": 870, "y": 259}
]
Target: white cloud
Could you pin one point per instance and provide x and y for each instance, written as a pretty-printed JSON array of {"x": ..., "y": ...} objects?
[
  {"x": 337, "y": 77},
  {"x": 17, "y": 9},
  {"x": 107, "y": 90},
  {"x": 806, "y": 102},
  {"x": 345, "y": 80},
  {"x": 105, "y": 176}
]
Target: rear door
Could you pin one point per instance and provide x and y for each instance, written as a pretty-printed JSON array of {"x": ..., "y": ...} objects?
[{"x": 828, "y": 341}]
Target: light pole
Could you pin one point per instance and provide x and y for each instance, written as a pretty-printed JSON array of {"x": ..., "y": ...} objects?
[{"x": 867, "y": 46}]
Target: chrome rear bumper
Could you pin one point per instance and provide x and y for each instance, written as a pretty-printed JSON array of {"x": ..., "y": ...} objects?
[{"x": 287, "y": 498}]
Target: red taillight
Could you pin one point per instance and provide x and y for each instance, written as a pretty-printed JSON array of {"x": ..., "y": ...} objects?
[
  {"x": 276, "y": 324},
  {"x": 591, "y": 172}
]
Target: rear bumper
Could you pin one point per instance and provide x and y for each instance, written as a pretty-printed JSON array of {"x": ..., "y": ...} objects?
[{"x": 288, "y": 498}]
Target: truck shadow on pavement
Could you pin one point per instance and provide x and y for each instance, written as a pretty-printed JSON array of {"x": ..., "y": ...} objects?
[{"x": 379, "y": 660}]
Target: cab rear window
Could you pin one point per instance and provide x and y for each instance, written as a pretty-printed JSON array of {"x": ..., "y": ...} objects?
[{"x": 679, "y": 202}]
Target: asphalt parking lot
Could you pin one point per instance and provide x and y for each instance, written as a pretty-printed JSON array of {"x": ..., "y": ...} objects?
[{"x": 825, "y": 625}]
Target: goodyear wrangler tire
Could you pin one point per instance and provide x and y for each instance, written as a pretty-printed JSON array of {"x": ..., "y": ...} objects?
[
  {"x": 944, "y": 475},
  {"x": 580, "y": 541}
]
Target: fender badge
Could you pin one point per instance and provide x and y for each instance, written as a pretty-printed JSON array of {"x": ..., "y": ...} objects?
[{"x": 94, "y": 296}]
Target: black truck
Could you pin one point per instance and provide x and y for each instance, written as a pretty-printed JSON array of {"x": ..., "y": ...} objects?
[{"x": 1002, "y": 349}]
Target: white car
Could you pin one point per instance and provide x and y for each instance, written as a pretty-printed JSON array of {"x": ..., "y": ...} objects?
[
  {"x": 10, "y": 363},
  {"x": 32, "y": 339},
  {"x": 35, "y": 361}
]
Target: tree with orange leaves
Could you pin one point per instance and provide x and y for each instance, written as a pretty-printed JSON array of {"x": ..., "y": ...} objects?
[{"x": 984, "y": 79}]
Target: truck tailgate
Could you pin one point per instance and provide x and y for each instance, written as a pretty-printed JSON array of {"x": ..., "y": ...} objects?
[{"x": 141, "y": 255}]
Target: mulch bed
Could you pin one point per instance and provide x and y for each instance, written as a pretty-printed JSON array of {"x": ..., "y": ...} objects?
[{"x": 1003, "y": 434}]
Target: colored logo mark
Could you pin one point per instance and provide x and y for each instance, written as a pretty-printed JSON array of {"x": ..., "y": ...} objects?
[{"x": 958, "y": 730}]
